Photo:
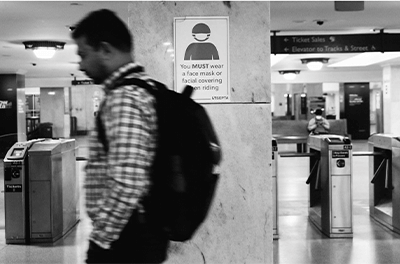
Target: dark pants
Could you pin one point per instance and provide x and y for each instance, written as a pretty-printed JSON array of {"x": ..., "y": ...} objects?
[{"x": 138, "y": 243}]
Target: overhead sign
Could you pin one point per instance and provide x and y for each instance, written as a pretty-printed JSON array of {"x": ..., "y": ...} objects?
[
  {"x": 82, "y": 82},
  {"x": 335, "y": 43},
  {"x": 202, "y": 57}
]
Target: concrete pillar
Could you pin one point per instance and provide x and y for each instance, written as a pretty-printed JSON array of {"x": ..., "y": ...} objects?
[
  {"x": 239, "y": 226},
  {"x": 391, "y": 99}
]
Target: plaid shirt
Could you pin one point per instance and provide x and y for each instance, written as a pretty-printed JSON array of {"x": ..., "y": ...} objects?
[{"x": 117, "y": 180}]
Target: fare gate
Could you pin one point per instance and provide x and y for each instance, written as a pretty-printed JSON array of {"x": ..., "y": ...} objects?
[
  {"x": 384, "y": 192},
  {"x": 41, "y": 193},
  {"x": 330, "y": 181},
  {"x": 330, "y": 184}
]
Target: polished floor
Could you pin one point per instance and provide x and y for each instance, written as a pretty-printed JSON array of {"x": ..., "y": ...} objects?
[{"x": 299, "y": 241}]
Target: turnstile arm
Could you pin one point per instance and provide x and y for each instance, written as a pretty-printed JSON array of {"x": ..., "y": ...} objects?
[
  {"x": 386, "y": 161},
  {"x": 367, "y": 153},
  {"x": 378, "y": 170},
  {"x": 296, "y": 154},
  {"x": 310, "y": 177},
  {"x": 387, "y": 174}
]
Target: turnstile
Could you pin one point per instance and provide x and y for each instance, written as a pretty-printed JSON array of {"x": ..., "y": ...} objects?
[
  {"x": 384, "y": 191},
  {"x": 41, "y": 194},
  {"x": 275, "y": 188},
  {"x": 330, "y": 180}
]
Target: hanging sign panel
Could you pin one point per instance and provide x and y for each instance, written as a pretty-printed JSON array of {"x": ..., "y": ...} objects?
[
  {"x": 202, "y": 57},
  {"x": 326, "y": 43}
]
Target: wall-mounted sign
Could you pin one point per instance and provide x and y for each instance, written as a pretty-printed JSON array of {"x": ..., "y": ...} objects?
[
  {"x": 202, "y": 57},
  {"x": 5, "y": 104}
]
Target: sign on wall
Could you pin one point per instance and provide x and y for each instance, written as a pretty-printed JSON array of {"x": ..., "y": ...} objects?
[{"x": 202, "y": 57}]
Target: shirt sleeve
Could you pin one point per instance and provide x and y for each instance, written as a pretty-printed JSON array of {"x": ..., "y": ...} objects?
[
  {"x": 311, "y": 124},
  {"x": 326, "y": 124},
  {"x": 130, "y": 125}
]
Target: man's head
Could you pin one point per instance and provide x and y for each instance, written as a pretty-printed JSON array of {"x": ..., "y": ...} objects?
[{"x": 104, "y": 44}]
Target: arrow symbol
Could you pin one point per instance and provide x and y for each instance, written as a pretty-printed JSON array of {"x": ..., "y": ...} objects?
[
  {"x": 286, "y": 49},
  {"x": 286, "y": 39},
  {"x": 373, "y": 48}
]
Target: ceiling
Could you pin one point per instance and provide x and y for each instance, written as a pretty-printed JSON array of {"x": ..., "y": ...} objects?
[
  {"x": 49, "y": 20},
  {"x": 45, "y": 20}
]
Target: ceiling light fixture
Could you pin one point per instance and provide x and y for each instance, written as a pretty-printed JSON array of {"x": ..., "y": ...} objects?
[
  {"x": 289, "y": 74},
  {"x": 314, "y": 64},
  {"x": 44, "y": 49}
]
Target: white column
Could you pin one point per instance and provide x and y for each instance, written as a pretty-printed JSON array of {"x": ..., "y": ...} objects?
[{"x": 391, "y": 99}]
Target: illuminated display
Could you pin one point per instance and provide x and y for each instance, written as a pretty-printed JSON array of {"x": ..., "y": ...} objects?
[{"x": 17, "y": 152}]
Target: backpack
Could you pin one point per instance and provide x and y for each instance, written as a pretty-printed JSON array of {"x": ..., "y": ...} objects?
[{"x": 188, "y": 151}]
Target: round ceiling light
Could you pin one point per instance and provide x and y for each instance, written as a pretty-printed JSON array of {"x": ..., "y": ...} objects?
[
  {"x": 315, "y": 64},
  {"x": 44, "y": 49}
]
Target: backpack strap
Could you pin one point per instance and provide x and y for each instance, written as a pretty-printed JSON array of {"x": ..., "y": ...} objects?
[
  {"x": 101, "y": 133},
  {"x": 188, "y": 90}
]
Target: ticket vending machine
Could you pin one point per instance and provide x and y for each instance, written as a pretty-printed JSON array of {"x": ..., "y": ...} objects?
[
  {"x": 41, "y": 194},
  {"x": 275, "y": 188},
  {"x": 384, "y": 191},
  {"x": 330, "y": 180}
]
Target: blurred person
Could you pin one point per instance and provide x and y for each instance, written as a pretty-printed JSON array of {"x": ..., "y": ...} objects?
[
  {"x": 121, "y": 149},
  {"x": 318, "y": 124}
]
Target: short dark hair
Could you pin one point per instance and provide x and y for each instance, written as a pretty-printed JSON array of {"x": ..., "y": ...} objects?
[
  {"x": 104, "y": 26},
  {"x": 318, "y": 112}
]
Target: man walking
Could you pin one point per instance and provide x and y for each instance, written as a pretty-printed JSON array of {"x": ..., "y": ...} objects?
[{"x": 122, "y": 148}]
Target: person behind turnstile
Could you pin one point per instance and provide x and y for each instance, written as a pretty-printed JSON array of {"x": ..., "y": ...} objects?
[
  {"x": 384, "y": 191},
  {"x": 41, "y": 194},
  {"x": 330, "y": 180},
  {"x": 275, "y": 188},
  {"x": 318, "y": 124}
]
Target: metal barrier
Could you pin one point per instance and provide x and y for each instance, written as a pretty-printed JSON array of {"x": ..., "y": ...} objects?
[{"x": 384, "y": 192}]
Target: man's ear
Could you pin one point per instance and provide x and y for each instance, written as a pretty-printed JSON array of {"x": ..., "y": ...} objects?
[{"x": 106, "y": 49}]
